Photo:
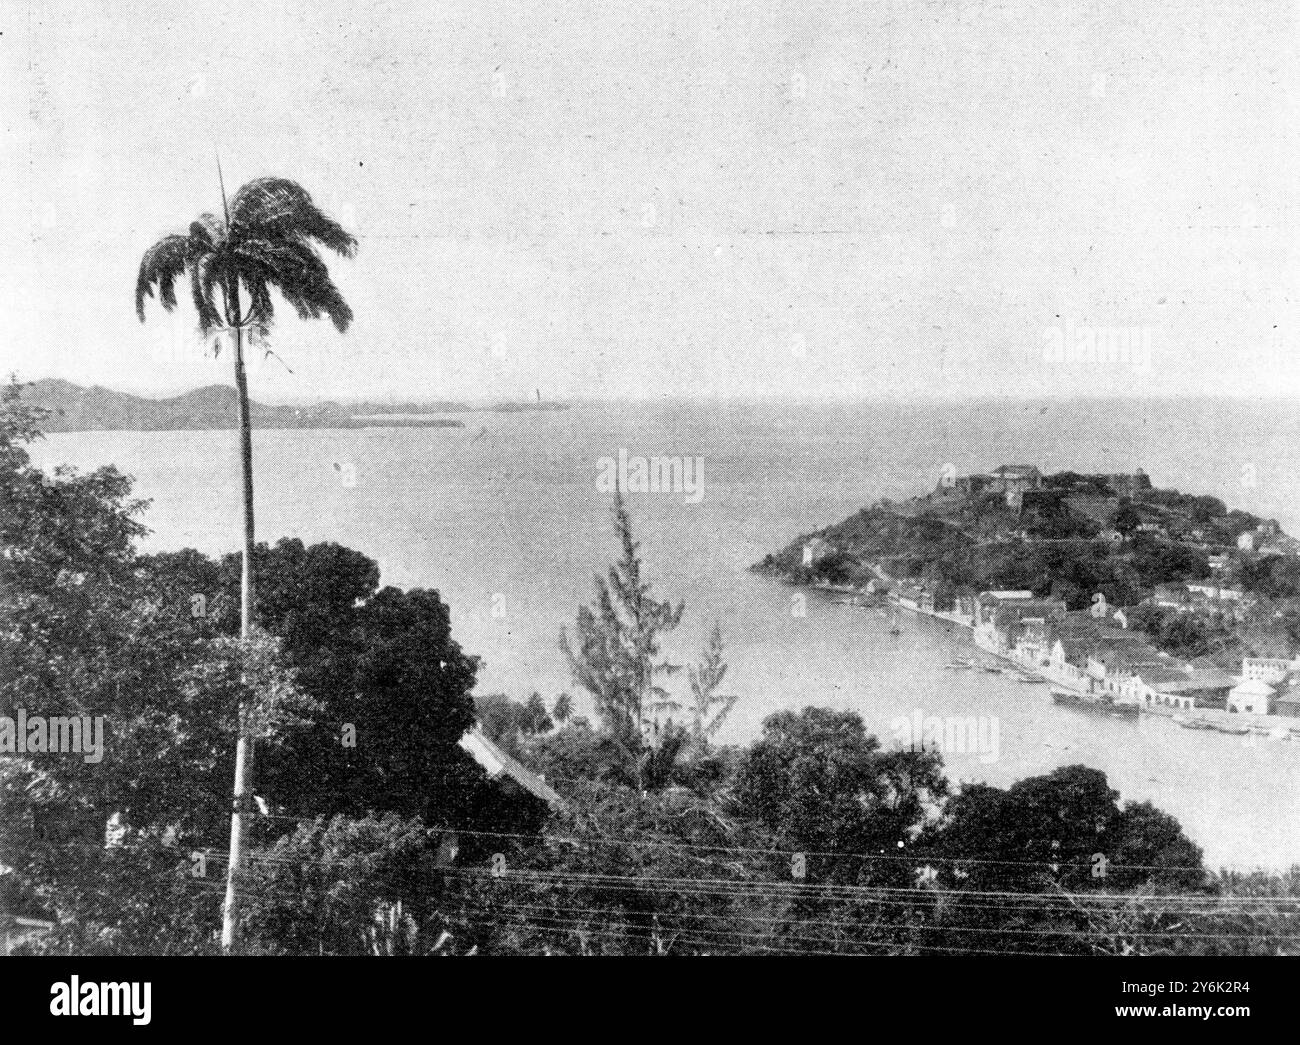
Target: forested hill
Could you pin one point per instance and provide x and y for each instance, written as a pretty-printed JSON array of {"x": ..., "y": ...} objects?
[{"x": 1068, "y": 534}]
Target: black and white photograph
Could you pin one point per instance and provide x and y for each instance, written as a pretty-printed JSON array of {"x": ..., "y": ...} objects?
[{"x": 674, "y": 479}]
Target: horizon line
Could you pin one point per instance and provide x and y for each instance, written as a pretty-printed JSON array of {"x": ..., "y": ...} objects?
[{"x": 410, "y": 398}]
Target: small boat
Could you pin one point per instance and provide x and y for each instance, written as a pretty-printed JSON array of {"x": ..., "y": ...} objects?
[
  {"x": 1098, "y": 705},
  {"x": 1194, "y": 723},
  {"x": 1231, "y": 730},
  {"x": 1031, "y": 679},
  {"x": 957, "y": 666}
]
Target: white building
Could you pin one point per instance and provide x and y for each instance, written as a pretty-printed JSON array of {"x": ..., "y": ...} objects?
[
  {"x": 1251, "y": 697},
  {"x": 816, "y": 550},
  {"x": 1268, "y": 669}
]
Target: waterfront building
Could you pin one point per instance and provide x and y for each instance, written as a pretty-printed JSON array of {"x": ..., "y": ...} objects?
[
  {"x": 1287, "y": 699},
  {"x": 988, "y": 601},
  {"x": 1268, "y": 669},
  {"x": 1162, "y": 684},
  {"x": 910, "y": 596},
  {"x": 1251, "y": 696}
]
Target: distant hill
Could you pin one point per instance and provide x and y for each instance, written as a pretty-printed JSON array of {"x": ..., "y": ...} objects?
[
  {"x": 97, "y": 409},
  {"x": 77, "y": 409}
]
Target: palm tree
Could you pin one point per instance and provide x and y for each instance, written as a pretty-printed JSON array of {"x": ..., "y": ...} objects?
[{"x": 264, "y": 242}]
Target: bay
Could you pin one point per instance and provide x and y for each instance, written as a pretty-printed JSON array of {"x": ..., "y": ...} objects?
[{"x": 504, "y": 518}]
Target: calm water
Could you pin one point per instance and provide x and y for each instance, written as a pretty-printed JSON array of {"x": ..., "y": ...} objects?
[{"x": 503, "y": 518}]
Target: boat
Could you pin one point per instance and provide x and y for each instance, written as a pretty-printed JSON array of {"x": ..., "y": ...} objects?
[
  {"x": 1098, "y": 705},
  {"x": 957, "y": 665},
  {"x": 1032, "y": 679},
  {"x": 1230, "y": 729},
  {"x": 1194, "y": 723}
]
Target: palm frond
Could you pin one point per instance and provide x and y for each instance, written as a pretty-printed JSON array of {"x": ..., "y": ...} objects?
[
  {"x": 162, "y": 264},
  {"x": 264, "y": 243},
  {"x": 201, "y": 294},
  {"x": 280, "y": 209},
  {"x": 261, "y": 310},
  {"x": 211, "y": 276},
  {"x": 294, "y": 269}
]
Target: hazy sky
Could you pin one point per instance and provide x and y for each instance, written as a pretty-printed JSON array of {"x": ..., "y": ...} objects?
[{"x": 644, "y": 199}]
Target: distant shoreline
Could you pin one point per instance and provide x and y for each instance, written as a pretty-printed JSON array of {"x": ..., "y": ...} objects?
[{"x": 73, "y": 408}]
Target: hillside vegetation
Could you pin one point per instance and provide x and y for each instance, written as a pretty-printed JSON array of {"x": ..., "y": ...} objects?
[{"x": 1078, "y": 535}]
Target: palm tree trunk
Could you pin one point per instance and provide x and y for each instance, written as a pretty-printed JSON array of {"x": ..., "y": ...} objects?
[{"x": 244, "y": 746}]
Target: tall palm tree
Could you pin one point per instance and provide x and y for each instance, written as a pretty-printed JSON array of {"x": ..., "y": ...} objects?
[{"x": 265, "y": 241}]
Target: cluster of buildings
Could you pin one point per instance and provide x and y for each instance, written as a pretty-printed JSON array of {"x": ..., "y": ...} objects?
[
  {"x": 1096, "y": 653},
  {"x": 1206, "y": 596},
  {"x": 1271, "y": 684},
  {"x": 1097, "y": 498},
  {"x": 1022, "y": 485}
]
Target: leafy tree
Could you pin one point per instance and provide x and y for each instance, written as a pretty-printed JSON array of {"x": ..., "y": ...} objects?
[
  {"x": 1161, "y": 562},
  {"x": 1060, "y": 836},
  {"x": 563, "y": 710},
  {"x": 507, "y": 722},
  {"x": 837, "y": 568},
  {"x": 1272, "y": 576},
  {"x": 594, "y": 886},
  {"x": 85, "y": 632},
  {"x": 822, "y": 784},
  {"x": 393, "y": 683},
  {"x": 341, "y": 886},
  {"x": 579, "y": 753},
  {"x": 1150, "y": 849}
]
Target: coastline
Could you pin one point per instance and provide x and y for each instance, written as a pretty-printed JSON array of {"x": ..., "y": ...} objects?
[{"x": 1281, "y": 728}]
